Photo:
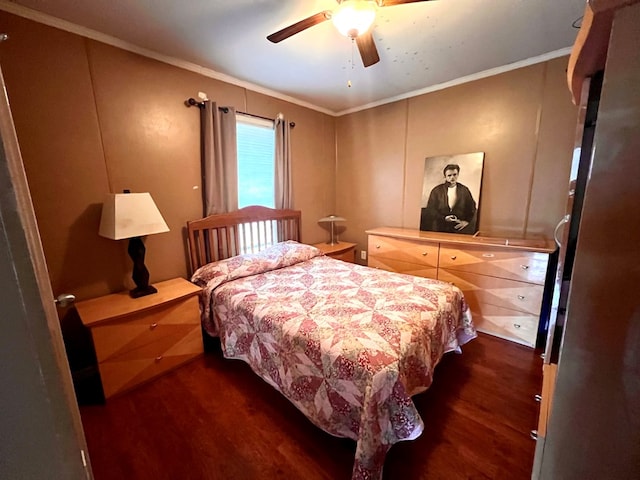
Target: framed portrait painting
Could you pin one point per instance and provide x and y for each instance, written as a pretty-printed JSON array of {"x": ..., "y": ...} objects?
[{"x": 451, "y": 193}]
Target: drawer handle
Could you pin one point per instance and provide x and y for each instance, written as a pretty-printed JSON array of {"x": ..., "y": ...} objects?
[
  {"x": 521, "y": 297},
  {"x": 424, "y": 254},
  {"x": 158, "y": 358},
  {"x": 524, "y": 267},
  {"x": 533, "y": 434},
  {"x": 488, "y": 255},
  {"x": 538, "y": 398},
  {"x": 377, "y": 246},
  {"x": 516, "y": 325},
  {"x": 152, "y": 326},
  {"x": 453, "y": 257}
]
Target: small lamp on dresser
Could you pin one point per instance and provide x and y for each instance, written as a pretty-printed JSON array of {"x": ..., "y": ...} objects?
[
  {"x": 332, "y": 219},
  {"x": 132, "y": 216}
]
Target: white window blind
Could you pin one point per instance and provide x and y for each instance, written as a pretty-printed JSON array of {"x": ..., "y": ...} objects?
[
  {"x": 256, "y": 165},
  {"x": 256, "y": 177}
]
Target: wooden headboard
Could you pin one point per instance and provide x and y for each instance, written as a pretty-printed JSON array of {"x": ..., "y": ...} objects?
[{"x": 247, "y": 230}]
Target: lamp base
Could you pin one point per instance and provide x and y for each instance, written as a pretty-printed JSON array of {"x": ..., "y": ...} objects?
[
  {"x": 140, "y": 273},
  {"x": 142, "y": 291}
]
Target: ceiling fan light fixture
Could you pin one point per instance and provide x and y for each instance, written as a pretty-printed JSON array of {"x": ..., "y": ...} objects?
[{"x": 354, "y": 17}]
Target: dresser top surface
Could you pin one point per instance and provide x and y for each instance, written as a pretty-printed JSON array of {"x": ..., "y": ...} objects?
[
  {"x": 120, "y": 304},
  {"x": 335, "y": 248},
  {"x": 530, "y": 244}
]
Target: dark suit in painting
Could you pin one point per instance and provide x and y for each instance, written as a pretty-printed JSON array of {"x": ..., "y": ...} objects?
[{"x": 432, "y": 217}]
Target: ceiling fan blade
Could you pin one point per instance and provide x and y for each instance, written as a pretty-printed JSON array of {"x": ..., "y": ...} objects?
[
  {"x": 299, "y": 26},
  {"x": 391, "y": 3},
  {"x": 368, "y": 50}
]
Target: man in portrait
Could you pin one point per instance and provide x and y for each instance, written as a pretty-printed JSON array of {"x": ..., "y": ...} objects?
[{"x": 451, "y": 206}]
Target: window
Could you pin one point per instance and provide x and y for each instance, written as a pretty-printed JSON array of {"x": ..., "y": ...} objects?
[
  {"x": 256, "y": 178},
  {"x": 256, "y": 164}
]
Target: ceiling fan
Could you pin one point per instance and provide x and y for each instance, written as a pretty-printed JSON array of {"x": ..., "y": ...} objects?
[{"x": 352, "y": 18}]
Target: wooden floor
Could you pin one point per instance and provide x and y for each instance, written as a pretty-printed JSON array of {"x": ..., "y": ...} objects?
[{"x": 214, "y": 419}]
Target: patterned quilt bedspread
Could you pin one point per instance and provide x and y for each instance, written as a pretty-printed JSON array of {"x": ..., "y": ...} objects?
[{"x": 348, "y": 345}]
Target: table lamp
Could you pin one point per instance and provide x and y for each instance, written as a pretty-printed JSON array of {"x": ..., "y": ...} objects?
[
  {"x": 332, "y": 219},
  {"x": 132, "y": 216}
]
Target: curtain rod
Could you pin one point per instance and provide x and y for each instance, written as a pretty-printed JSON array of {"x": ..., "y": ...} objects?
[{"x": 192, "y": 102}]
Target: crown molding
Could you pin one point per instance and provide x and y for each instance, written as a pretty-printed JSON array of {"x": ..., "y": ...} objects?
[{"x": 207, "y": 72}]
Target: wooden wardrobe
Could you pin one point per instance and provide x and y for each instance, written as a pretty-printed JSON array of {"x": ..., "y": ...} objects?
[{"x": 591, "y": 418}]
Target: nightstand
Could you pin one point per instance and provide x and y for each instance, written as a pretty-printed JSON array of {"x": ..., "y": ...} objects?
[
  {"x": 344, "y": 251},
  {"x": 137, "y": 339}
]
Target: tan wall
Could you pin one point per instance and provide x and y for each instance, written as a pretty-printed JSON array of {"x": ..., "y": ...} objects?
[
  {"x": 522, "y": 120},
  {"x": 93, "y": 119}
]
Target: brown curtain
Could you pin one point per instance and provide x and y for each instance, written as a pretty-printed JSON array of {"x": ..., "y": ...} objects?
[
  {"x": 283, "y": 188},
  {"x": 220, "y": 166}
]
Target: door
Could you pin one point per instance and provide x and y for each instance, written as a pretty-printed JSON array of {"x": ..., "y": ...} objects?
[
  {"x": 40, "y": 426},
  {"x": 593, "y": 429},
  {"x": 566, "y": 233}
]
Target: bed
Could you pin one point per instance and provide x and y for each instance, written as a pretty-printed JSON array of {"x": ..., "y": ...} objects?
[{"x": 348, "y": 345}]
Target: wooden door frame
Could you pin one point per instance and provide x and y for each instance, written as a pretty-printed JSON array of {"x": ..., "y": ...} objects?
[{"x": 40, "y": 425}]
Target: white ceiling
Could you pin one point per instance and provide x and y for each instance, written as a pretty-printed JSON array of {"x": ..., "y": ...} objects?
[{"x": 421, "y": 45}]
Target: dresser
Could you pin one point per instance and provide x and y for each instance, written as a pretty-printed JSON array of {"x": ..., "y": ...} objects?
[
  {"x": 344, "y": 251},
  {"x": 503, "y": 280},
  {"x": 137, "y": 339}
]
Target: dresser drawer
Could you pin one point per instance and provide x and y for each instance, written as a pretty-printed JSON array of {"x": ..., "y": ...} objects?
[
  {"x": 521, "y": 296},
  {"x": 344, "y": 251},
  {"x": 421, "y": 253},
  {"x": 348, "y": 256},
  {"x": 145, "y": 344},
  {"x": 119, "y": 374},
  {"x": 519, "y": 265},
  {"x": 519, "y": 327},
  {"x": 398, "y": 266},
  {"x": 147, "y": 330}
]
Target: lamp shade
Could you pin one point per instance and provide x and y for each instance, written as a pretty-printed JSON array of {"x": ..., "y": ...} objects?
[
  {"x": 128, "y": 215},
  {"x": 354, "y": 17},
  {"x": 332, "y": 219}
]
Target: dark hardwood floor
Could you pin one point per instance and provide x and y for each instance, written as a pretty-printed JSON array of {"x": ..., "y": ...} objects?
[{"x": 215, "y": 419}]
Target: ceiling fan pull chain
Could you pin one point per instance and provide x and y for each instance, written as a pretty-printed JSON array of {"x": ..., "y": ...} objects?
[{"x": 353, "y": 46}]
